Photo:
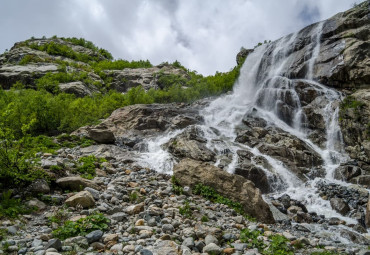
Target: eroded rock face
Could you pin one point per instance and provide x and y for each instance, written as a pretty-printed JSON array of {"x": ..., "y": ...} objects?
[
  {"x": 191, "y": 172},
  {"x": 272, "y": 141},
  {"x": 131, "y": 124},
  {"x": 127, "y": 78}
]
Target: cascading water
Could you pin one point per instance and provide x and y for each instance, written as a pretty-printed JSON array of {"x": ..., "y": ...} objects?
[{"x": 267, "y": 89}]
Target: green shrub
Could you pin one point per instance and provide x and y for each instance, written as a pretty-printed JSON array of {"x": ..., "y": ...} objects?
[
  {"x": 89, "y": 163},
  {"x": 29, "y": 59},
  {"x": 176, "y": 188},
  {"x": 120, "y": 64},
  {"x": 204, "y": 218},
  {"x": 82, "y": 226},
  {"x": 11, "y": 207},
  {"x": 186, "y": 210}
]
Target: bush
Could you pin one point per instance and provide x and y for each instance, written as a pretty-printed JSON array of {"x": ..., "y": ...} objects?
[
  {"x": 82, "y": 226},
  {"x": 89, "y": 163},
  {"x": 186, "y": 210},
  {"x": 11, "y": 207}
]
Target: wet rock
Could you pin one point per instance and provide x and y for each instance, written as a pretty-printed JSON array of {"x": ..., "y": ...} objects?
[
  {"x": 339, "y": 205},
  {"x": 39, "y": 187}
]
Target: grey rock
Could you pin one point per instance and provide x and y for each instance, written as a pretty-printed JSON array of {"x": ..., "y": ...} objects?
[
  {"x": 95, "y": 193},
  {"x": 188, "y": 242},
  {"x": 339, "y": 205},
  {"x": 168, "y": 228},
  {"x": 54, "y": 243},
  {"x": 40, "y": 252},
  {"x": 94, "y": 236},
  {"x": 240, "y": 246},
  {"x": 212, "y": 248},
  {"x": 119, "y": 216},
  {"x": 22, "y": 251},
  {"x": 145, "y": 252},
  {"x": 210, "y": 239},
  {"x": 39, "y": 187},
  {"x": 36, "y": 242},
  {"x": 199, "y": 245},
  {"x": 77, "y": 88},
  {"x": 12, "y": 230},
  {"x": 229, "y": 237}
]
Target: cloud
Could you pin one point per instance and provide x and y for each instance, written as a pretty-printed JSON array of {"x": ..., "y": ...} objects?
[{"x": 203, "y": 35}]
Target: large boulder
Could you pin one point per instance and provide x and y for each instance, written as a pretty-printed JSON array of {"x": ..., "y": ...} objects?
[
  {"x": 130, "y": 125},
  {"x": 190, "y": 172},
  {"x": 77, "y": 88},
  {"x": 76, "y": 183},
  {"x": 83, "y": 198}
]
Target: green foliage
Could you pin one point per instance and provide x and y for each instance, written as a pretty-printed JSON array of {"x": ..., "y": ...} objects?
[
  {"x": 176, "y": 187},
  {"x": 210, "y": 194},
  {"x": 120, "y": 64},
  {"x": 16, "y": 168},
  {"x": 89, "y": 163},
  {"x": 59, "y": 216},
  {"x": 251, "y": 238},
  {"x": 90, "y": 45},
  {"x": 57, "y": 49},
  {"x": 324, "y": 253},
  {"x": 71, "y": 141},
  {"x": 11, "y": 207},
  {"x": 82, "y": 226},
  {"x": 254, "y": 239},
  {"x": 350, "y": 103},
  {"x": 134, "y": 196},
  {"x": 50, "y": 81},
  {"x": 29, "y": 59},
  {"x": 204, "y": 218},
  {"x": 186, "y": 210}
]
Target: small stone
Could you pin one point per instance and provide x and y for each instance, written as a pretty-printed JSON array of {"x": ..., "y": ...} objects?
[
  {"x": 97, "y": 246},
  {"x": 229, "y": 250},
  {"x": 54, "y": 243},
  {"x": 168, "y": 228},
  {"x": 210, "y": 239},
  {"x": 188, "y": 242},
  {"x": 117, "y": 247},
  {"x": 135, "y": 209},
  {"x": 120, "y": 216},
  {"x": 145, "y": 252},
  {"x": 212, "y": 248},
  {"x": 110, "y": 238},
  {"x": 13, "y": 248},
  {"x": 229, "y": 237},
  {"x": 12, "y": 230},
  {"x": 36, "y": 242},
  {"x": 289, "y": 236},
  {"x": 95, "y": 193},
  {"x": 199, "y": 245},
  {"x": 128, "y": 248},
  {"x": 140, "y": 222},
  {"x": 94, "y": 236},
  {"x": 22, "y": 251},
  {"x": 240, "y": 246}
]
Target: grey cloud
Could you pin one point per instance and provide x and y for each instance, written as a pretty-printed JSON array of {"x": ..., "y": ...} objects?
[{"x": 203, "y": 35}]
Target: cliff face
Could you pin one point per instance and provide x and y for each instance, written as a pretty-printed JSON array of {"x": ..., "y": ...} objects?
[{"x": 83, "y": 65}]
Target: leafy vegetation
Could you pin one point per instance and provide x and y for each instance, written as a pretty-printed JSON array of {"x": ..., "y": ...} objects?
[
  {"x": 82, "y": 226},
  {"x": 351, "y": 103},
  {"x": 210, "y": 194},
  {"x": 89, "y": 163},
  {"x": 176, "y": 187},
  {"x": 278, "y": 243},
  {"x": 11, "y": 207},
  {"x": 186, "y": 210}
]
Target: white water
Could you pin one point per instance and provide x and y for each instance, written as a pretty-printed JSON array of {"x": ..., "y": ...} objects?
[{"x": 263, "y": 86}]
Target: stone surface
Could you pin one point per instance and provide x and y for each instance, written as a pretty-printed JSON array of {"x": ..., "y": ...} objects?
[
  {"x": 83, "y": 198},
  {"x": 76, "y": 183},
  {"x": 190, "y": 172},
  {"x": 339, "y": 205}
]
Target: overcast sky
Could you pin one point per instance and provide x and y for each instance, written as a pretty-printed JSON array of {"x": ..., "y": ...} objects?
[{"x": 204, "y": 35}]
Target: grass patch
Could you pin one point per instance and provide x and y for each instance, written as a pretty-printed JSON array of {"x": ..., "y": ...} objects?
[
  {"x": 82, "y": 226},
  {"x": 186, "y": 210},
  {"x": 88, "y": 166},
  {"x": 176, "y": 187}
]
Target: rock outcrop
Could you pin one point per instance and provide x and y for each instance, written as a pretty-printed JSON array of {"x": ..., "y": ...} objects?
[
  {"x": 191, "y": 172},
  {"x": 129, "y": 125}
]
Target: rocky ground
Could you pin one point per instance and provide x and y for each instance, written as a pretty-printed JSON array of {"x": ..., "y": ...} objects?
[{"x": 147, "y": 217}]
